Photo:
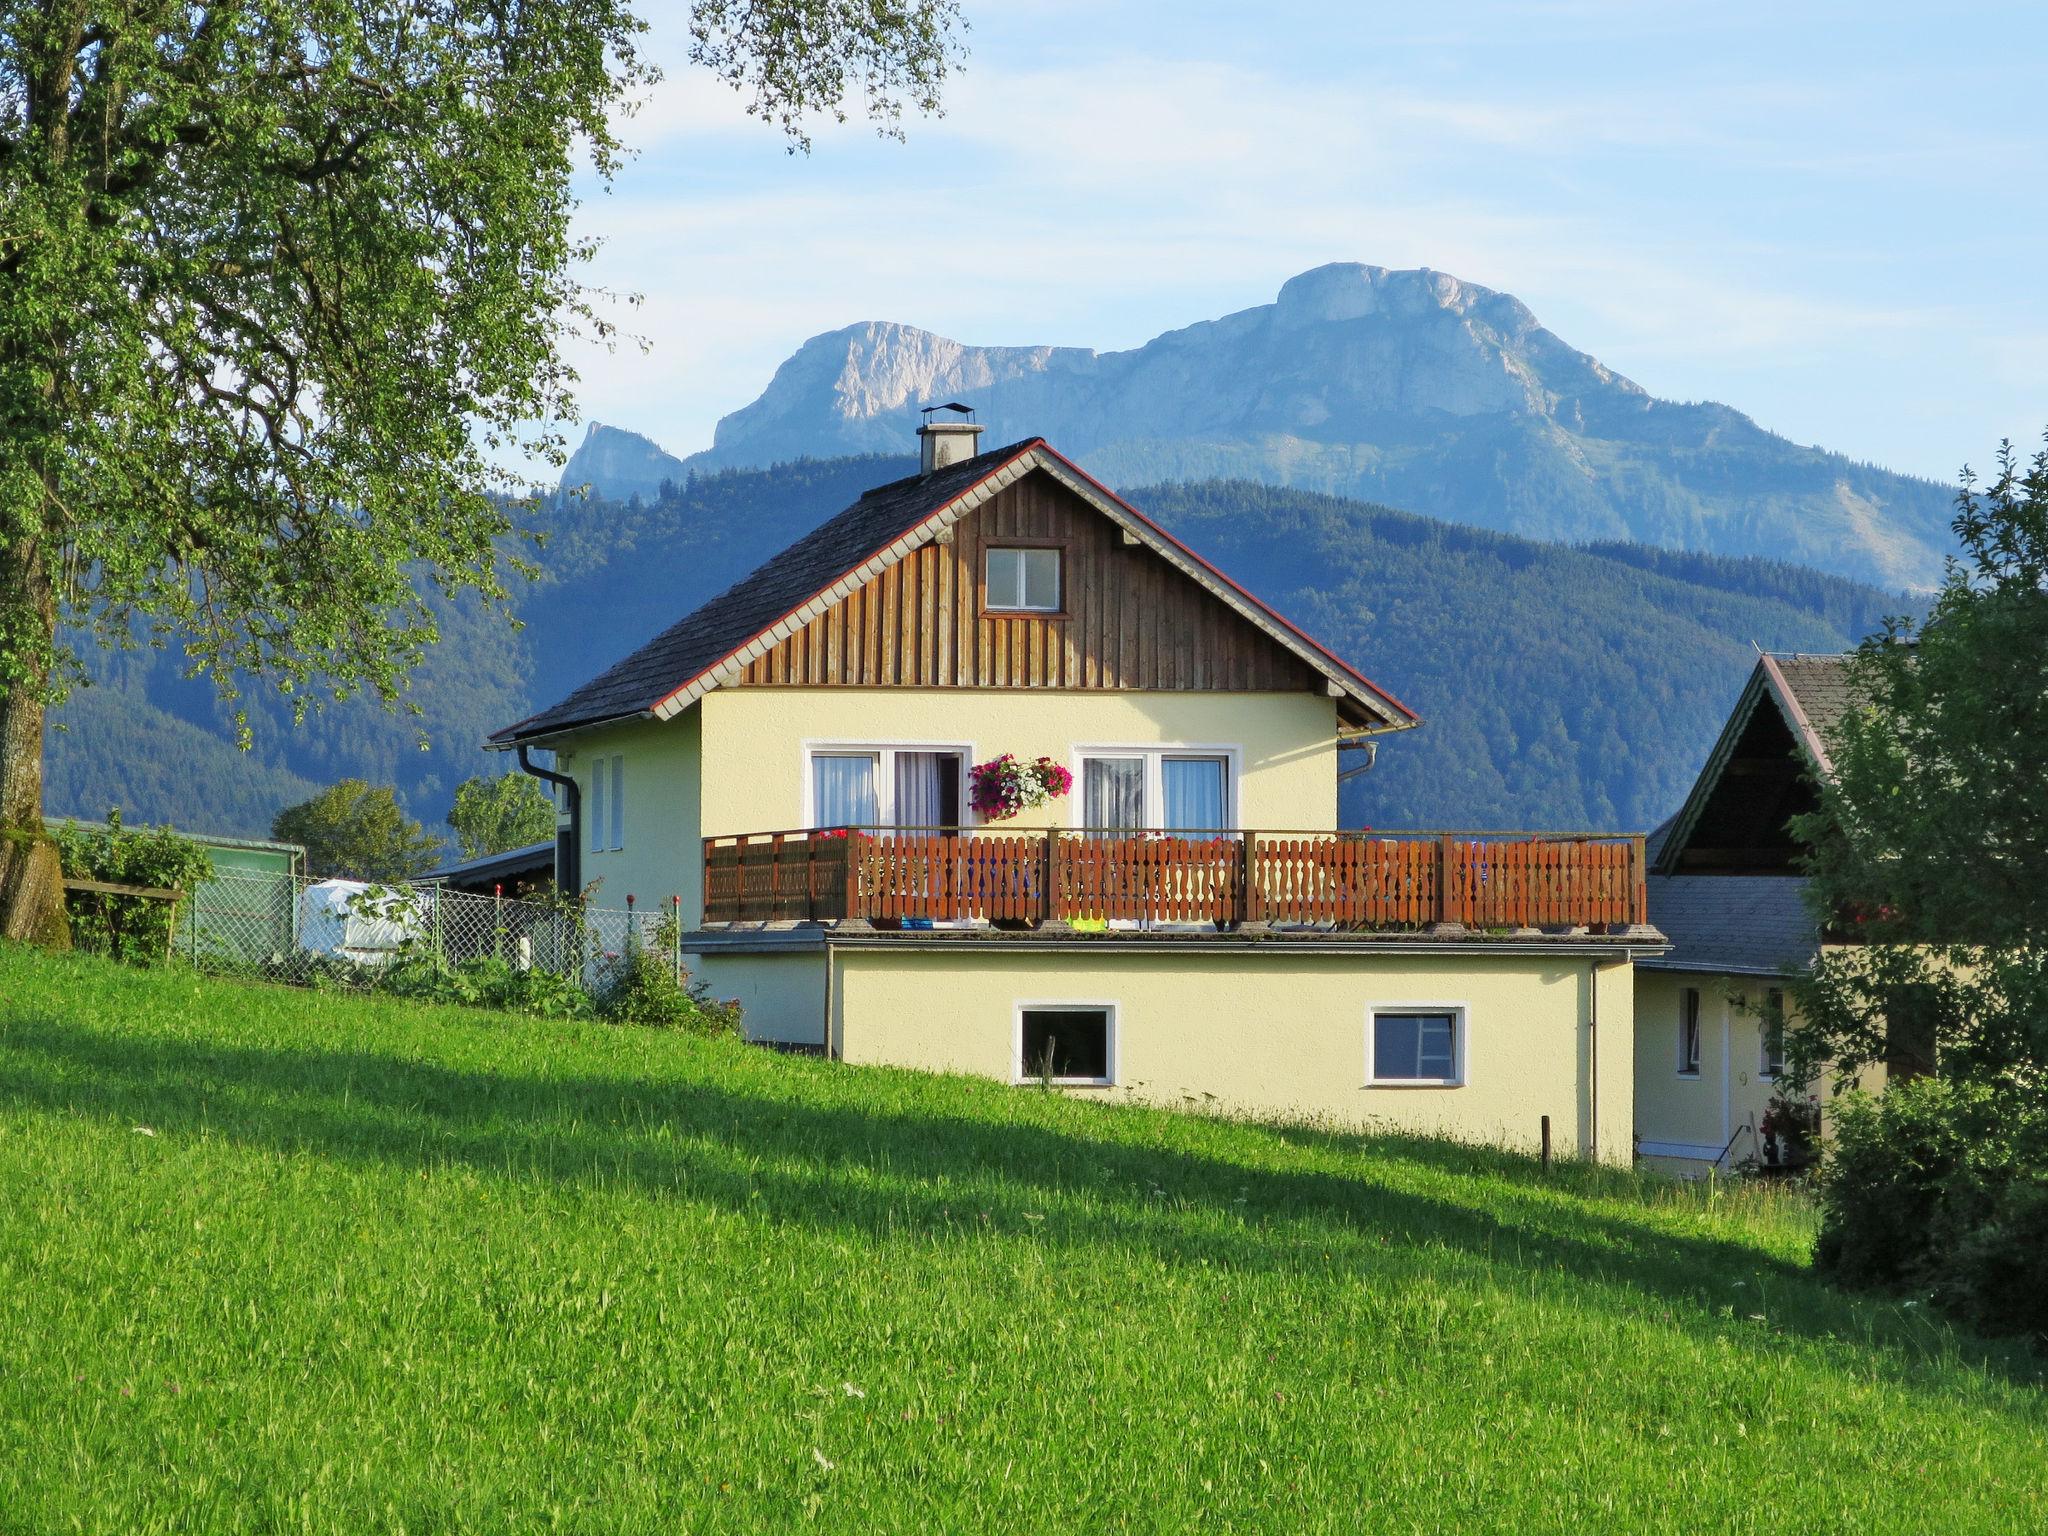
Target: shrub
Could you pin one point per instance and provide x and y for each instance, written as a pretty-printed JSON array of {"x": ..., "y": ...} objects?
[
  {"x": 487, "y": 982},
  {"x": 648, "y": 986},
  {"x": 1942, "y": 1187},
  {"x": 136, "y": 929}
]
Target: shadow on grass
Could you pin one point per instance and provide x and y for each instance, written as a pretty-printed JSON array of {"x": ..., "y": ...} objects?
[{"x": 793, "y": 1151}]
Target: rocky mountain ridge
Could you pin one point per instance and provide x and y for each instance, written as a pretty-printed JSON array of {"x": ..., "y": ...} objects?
[{"x": 1410, "y": 388}]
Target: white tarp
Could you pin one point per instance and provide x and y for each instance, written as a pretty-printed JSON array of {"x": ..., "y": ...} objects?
[{"x": 335, "y": 918}]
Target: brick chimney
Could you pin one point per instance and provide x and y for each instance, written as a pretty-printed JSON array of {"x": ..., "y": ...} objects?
[{"x": 946, "y": 439}]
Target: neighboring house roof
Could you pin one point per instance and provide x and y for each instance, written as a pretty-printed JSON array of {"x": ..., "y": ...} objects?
[
  {"x": 711, "y": 646},
  {"x": 1810, "y": 693},
  {"x": 1732, "y": 925},
  {"x": 1814, "y": 693},
  {"x": 534, "y": 858},
  {"x": 294, "y": 851}
]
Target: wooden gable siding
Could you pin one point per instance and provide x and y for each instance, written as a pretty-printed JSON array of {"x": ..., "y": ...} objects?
[{"x": 1131, "y": 621}]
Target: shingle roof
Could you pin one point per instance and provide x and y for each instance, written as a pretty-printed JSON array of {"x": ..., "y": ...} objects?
[
  {"x": 668, "y": 672},
  {"x": 1814, "y": 694},
  {"x": 1745, "y": 925},
  {"x": 1733, "y": 924},
  {"x": 1811, "y": 693}
]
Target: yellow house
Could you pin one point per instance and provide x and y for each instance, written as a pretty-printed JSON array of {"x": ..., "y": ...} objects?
[
  {"x": 991, "y": 774},
  {"x": 1726, "y": 890}
]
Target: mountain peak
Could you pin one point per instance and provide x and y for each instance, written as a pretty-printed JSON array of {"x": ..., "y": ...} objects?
[
  {"x": 1412, "y": 388},
  {"x": 615, "y": 463}
]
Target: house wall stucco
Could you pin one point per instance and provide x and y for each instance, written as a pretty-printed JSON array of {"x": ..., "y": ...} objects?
[
  {"x": 754, "y": 739},
  {"x": 1273, "y": 1035}
]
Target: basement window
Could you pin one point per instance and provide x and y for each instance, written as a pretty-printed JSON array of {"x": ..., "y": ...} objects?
[
  {"x": 1066, "y": 1044},
  {"x": 1022, "y": 581},
  {"x": 1416, "y": 1048}
]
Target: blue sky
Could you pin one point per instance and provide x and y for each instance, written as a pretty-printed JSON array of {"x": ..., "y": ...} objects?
[{"x": 1825, "y": 215}]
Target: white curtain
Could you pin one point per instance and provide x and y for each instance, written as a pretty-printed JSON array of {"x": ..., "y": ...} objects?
[
  {"x": 1113, "y": 792},
  {"x": 1193, "y": 789},
  {"x": 843, "y": 790},
  {"x": 922, "y": 782}
]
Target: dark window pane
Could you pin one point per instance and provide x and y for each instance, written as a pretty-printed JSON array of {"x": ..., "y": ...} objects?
[
  {"x": 1071, "y": 1043},
  {"x": 1420, "y": 1047}
]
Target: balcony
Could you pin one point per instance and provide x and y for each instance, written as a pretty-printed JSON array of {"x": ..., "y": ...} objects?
[{"x": 914, "y": 877}]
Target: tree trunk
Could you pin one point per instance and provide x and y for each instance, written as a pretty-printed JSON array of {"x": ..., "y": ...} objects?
[{"x": 31, "y": 879}]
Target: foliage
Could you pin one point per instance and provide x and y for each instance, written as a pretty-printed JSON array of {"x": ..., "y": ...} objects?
[
  {"x": 1001, "y": 787},
  {"x": 281, "y": 284},
  {"x": 495, "y": 815},
  {"x": 354, "y": 831},
  {"x": 132, "y": 928},
  {"x": 487, "y": 982},
  {"x": 887, "y": 51},
  {"x": 1792, "y": 1120},
  {"x": 1941, "y": 1187},
  {"x": 648, "y": 985},
  {"x": 1930, "y": 849},
  {"x": 348, "y": 1207}
]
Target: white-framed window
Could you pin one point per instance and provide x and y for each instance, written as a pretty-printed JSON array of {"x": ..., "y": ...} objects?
[
  {"x": 1156, "y": 789},
  {"x": 1415, "y": 1045},
  {"x": 1068, "y": 1044},
  {"x": 885, "y": 784},
  {"x": 1772, "y": 1029},
  {"x": 1689, "y": 1032},
  {"x": 604, "y": 808},
  {"x": 1022, "y": 579}
]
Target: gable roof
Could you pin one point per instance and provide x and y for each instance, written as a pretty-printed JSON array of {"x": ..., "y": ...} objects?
[
  {"x": 711, "y": 646},
  {"x": 1730, "y": 925},
  {"x": 1810, "y": 693}
]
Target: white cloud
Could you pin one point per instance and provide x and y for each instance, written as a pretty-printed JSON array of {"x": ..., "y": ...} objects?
[{"x": 1707, "y": 231}]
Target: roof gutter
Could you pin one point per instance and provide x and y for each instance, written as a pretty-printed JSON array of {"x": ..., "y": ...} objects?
[{"x": 568, "y": 826}]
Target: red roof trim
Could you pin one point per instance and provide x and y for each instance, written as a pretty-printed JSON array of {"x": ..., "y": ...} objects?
[{"x": 1308, "y": 640}]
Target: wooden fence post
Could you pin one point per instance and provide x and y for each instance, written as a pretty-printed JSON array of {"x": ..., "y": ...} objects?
[
  {"x": 1443, "y": 877},
  {"x": 1251, "y": 909},
  {"x": 1639, "y": 880}
]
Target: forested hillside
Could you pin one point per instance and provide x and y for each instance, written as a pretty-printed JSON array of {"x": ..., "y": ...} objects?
[{"x": 1560, "y": 686}]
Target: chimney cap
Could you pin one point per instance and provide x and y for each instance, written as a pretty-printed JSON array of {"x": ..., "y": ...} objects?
[{"x": 955, "y": 406}]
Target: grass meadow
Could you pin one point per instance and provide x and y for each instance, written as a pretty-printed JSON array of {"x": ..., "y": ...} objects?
[{"x": 291, "y": 1262}]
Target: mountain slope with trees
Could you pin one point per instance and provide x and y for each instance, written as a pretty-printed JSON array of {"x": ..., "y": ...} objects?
[{"x": 1559, "y": 686}]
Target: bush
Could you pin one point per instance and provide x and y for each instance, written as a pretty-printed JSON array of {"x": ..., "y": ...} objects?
[
  {"x": 1942, "y": 1187},
  {"x": 487, "y": 983},
  {"x": 647, "y": 986},
  {"x": 136, "y": 929}
]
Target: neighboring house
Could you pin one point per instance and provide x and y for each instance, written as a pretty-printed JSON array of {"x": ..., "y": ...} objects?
[
  {"x": 516, "y": 873},
  {"x": 247, "y": 910},
  {"x": 792, "y": 766},
  {"x": 1726, "y": 889}
]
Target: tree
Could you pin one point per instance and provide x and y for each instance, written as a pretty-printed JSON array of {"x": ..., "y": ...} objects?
[
  {"x": 1930, "y": 850},
  {"x": 280, "y": 283},
  {"x": 494, "y": 815},
  {"x": 352, "y": 831}
]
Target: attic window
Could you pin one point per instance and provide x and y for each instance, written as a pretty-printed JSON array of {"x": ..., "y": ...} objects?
[{"x": 1022, "y": 580}]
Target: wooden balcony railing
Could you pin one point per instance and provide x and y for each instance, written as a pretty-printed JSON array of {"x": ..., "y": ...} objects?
[{"x": 1347, "y": 880}]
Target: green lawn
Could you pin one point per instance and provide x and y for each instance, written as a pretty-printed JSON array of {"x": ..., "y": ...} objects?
[{"x": 279, "y": 1261}]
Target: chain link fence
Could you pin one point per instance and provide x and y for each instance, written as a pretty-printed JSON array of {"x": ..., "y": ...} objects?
[{"x": 293, "y": 929}]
